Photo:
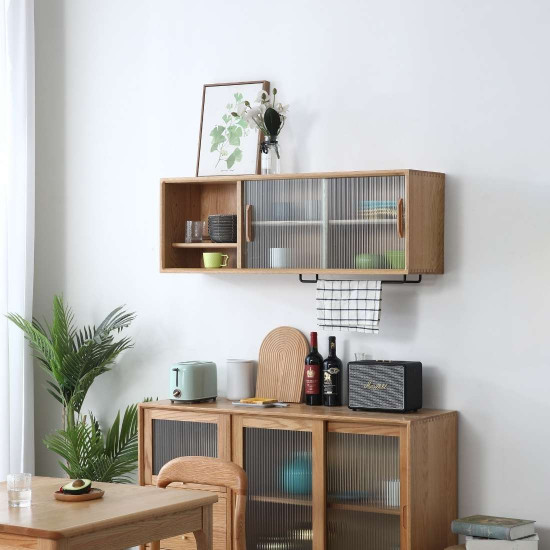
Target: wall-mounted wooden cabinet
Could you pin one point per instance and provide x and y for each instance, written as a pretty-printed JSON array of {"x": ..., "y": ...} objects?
[
  {"x": 318, "y": 478},
  {"x": 357, "y": 222}
]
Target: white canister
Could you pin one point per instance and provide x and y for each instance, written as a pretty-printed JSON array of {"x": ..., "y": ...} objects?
[
  {"x": 279, "y": 258},
  {"x": 241, "y": 379}
]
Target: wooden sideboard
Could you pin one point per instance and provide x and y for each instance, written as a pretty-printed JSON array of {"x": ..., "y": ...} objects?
[{"x": 319, "y": 478}]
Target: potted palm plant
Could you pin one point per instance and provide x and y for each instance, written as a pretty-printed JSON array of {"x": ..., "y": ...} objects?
[{"x": 73, "y": 358}]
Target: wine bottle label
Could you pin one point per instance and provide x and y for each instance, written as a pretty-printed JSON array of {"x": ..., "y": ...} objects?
[
  {"x": 329, "y": 385},
  {"x": 312, "y": 379}
]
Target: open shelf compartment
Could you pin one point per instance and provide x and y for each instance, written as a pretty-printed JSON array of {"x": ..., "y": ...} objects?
[{"x": 195, "y": 200}]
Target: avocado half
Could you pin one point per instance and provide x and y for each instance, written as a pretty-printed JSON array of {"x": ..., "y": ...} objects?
[{"x": 77, "y": 487}]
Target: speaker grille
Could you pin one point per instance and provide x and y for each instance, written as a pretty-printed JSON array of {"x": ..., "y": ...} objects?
[{"x": 377, "y": 386}]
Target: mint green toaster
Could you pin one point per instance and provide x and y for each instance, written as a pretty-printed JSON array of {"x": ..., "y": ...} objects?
[{"x": 193, "y": 381}]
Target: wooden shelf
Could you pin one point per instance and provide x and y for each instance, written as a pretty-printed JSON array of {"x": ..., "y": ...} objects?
[
  {"x": 292, "y": 271},
  {"x": 287, "y": 223},
  {"x": 281, "y": 500},
  {"x": 362, "y": 222},
  {"x": 363, "y": 508},
  {"x": 370, "y": 509},
  {"x": 318, "y": 223},
  {"x": 205, "y": 244}
]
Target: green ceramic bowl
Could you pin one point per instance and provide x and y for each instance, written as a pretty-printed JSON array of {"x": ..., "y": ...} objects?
[
  {"x": 395, "y": 259},
  {"x": 369, "y": 261}
]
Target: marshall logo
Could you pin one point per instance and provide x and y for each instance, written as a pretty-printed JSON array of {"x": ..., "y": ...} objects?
[{"x": 375, "y": 386}]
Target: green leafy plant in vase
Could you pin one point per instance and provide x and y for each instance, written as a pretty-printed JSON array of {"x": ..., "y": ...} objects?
[
  {"x": 73, "y": 358},
  {"x": 269, "y": 117}
]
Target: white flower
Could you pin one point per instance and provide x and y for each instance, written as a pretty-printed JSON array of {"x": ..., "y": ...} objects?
[
  {"x": 251, "y": 115},
  {"x": 282, "y": 109},
  {"x": 262, "y": 96},
  {"x": 263, "y": 108},
  {"x": 241, "y": 108},
  {"x": 254, "y": 112}
]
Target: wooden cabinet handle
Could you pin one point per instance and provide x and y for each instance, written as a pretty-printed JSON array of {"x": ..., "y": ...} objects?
[
  {"x": 400, "y": 218},
  {"x": 404, "y": 516},
  {"x": 248, "y": 221}
]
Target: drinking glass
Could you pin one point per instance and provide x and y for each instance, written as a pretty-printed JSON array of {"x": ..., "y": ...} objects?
[
  {"x": 19, "y": 490},
  {"x": 194, "y": 231},
  {"x": 361, "y": 356}
]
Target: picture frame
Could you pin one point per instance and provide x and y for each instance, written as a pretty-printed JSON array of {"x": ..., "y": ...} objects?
[{"x": 227, "y": 146}]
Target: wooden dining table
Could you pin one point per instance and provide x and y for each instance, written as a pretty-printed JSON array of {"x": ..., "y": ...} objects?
[{"x": 127, "y": 515}]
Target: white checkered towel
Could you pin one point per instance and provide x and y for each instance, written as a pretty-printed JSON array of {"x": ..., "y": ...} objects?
[{"x": 349, "y": 305}]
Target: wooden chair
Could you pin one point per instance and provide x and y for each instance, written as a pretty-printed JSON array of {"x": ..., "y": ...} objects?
[{"x": 210, "y": 471}]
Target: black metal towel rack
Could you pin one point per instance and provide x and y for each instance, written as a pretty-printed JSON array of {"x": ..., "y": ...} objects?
[{"x": 403, "y": 281}]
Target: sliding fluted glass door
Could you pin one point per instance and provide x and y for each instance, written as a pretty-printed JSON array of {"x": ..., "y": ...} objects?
[{"x": 347, "y": 223}]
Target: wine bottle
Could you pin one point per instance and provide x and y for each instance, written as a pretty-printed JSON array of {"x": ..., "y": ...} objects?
[
  {"x": 332, "y": 376},
  {"x": 312, "y": 374}
]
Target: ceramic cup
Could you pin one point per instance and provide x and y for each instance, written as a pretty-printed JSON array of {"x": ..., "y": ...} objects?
[
  {"x": 395, "y": 259},
  {"x": 392, "y": 493},
  {"x": 279, "y": 258},
  {"x": 213, "y": 260}
]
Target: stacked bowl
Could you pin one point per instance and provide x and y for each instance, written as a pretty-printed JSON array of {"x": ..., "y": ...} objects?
[{"x": 222, "y": 228}]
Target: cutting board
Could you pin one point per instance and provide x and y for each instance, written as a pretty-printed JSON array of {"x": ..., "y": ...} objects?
[{"x": 281, "y": 365}]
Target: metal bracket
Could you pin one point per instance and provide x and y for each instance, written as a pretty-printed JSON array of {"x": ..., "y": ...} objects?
[
  {"x": 403, "y": 281},
  {"x": 308, "y": 280}
]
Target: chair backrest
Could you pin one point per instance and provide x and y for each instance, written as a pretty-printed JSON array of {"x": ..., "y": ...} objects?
[{"x": 211, "y": 471}]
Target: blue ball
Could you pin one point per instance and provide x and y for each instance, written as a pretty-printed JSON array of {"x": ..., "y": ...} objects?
[{"x": 296, "y": 475}]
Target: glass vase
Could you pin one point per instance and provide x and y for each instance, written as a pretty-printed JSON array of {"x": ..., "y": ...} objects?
[{"x": 271, "y": 158}]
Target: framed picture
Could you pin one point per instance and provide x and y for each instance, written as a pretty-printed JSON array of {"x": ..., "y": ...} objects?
[{"x": 227, "y": 145}]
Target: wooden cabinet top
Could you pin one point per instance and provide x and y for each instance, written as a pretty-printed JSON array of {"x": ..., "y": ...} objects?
[
  {"x": 310, "y": 175},
  {"x": 340, "y": 414}
]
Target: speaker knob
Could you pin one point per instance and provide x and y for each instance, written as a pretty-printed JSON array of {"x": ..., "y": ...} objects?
[{"x": 176, "y": 393}]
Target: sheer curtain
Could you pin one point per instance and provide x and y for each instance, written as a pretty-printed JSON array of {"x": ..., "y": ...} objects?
[{"x": 16, "y": 232}]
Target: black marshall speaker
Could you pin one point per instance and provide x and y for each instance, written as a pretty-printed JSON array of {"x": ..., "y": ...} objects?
[{"x": 385, "y": 385}]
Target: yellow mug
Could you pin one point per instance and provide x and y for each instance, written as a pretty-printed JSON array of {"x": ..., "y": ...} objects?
[{"x": 214, "y": 259}]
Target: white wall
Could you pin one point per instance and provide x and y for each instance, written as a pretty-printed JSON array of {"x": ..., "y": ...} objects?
[{"x": 455, "y": 86}]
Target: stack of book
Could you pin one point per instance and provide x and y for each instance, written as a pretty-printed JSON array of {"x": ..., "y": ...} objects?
[
  {"x": 492, "y": 533},
  {"x": 377, "y": 210}
]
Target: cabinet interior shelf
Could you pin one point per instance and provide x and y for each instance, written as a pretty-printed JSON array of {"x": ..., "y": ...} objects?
[
  {"x": 363, "y": 508},
  {"x": 286, "y": 223},
  {"x": 204, "y": 245},
  {"x": 280, "y": 500},
  {"x": 331, "y": 505},
  {"x": 363, "y": 222},
  {"x": 298, "y": 223}
]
